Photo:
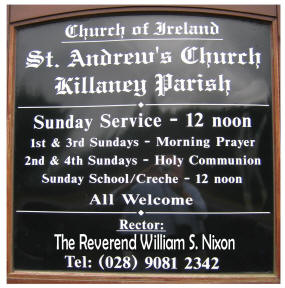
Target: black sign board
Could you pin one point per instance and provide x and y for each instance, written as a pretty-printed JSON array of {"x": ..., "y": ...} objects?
[{"x": 143, "y": 143}]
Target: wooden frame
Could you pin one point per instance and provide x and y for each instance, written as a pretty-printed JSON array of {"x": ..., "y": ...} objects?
[{"x": 20, "y": 15}]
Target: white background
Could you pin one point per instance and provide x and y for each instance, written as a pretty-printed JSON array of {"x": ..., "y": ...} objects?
[{"x": 3, "y": 108}]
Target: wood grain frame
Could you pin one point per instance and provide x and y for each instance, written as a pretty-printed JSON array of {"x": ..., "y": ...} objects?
[{"x": 21, "y": 15}]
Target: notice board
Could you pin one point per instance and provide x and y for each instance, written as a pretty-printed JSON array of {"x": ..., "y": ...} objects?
[{"x": 144, "y": 146}]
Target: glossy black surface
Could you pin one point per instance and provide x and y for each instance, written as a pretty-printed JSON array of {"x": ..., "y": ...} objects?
[{"x": 34, "y": 243}]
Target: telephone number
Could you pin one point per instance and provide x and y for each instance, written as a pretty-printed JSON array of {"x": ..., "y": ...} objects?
[{"x": 107, "y": 262}]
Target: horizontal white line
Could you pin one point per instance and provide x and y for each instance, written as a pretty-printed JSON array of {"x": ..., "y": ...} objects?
[
  {"x": 135, "y": 105},
  {"x": 186, "y": 178},
  {"x": 145, "y": 160},
  {"x": 209, "y": 104},
  {"x": 146, "y": 141},
  {"x": 76, "y": 106},
  {"x": 210, "y": 213},
  {"x": 146, "y": 39},
  {"x": 123, "y": 212},
  {"x": 173, "y": 119},
  {"x": 141, "y": 230},
  {"x": 72, "y": 212}
]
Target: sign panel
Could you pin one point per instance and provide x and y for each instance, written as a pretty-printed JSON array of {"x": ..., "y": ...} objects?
[{"x": 143, "y": 144}]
